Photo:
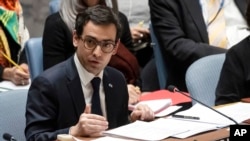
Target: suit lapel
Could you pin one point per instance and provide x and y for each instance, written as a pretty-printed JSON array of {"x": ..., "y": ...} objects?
[
  {"x": 74, "y": 87},
  {"x": 195, "y": 11},
  {"x": 242, "y": 5},
  {"x": 108, "y": 89}
]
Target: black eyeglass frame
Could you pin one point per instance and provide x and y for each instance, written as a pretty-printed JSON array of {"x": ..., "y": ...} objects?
[{"x": 106, "y": 46}]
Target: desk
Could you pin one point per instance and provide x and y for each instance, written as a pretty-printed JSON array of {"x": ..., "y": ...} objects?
[
  {"x": 8, "y": 85},
  {"x": 220, "y": 134},
  {"x": 204, "y": 136}
]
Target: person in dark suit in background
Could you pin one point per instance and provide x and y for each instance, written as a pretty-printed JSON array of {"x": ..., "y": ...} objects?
[
  {"x": 58, "y": 100},
  {"x": 182, "y": 29},
  {"x": 234, "y": 82}
]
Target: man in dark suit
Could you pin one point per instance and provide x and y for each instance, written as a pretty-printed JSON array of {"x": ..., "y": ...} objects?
[
  {"x": 59, "y": 99},
  {"x": 234, "y": 82},
  {"x": 182, "y": 32}
]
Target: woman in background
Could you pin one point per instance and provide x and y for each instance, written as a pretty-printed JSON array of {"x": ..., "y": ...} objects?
[
  {"x": 13, "y": 35},
  {"x": 137, "y": 12}
]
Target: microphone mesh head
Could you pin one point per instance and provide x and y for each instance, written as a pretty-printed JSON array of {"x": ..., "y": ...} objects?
[
  {"x": 6, "y": 136},
  {"x": 172, "y": 88}
]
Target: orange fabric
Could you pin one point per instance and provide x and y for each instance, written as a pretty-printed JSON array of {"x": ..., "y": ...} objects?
[
  {"x": 13, "y": 5},
  {"x": 3, "y": 46}
]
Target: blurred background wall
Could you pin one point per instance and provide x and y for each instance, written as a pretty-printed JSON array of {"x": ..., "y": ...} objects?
[{"x": 35, "y": 13}]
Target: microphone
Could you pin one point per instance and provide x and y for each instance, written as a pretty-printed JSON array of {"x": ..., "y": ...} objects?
[
  {"x": 172, "y": 88},
  {"x": 8, "y": 137}
]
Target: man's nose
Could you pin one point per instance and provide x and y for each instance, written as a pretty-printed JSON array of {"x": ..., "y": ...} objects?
[{"x": 98, "y": 50}]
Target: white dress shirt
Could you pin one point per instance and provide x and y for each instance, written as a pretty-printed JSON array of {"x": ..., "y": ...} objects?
[
  {"x": 87, "y": 89},
  {"x": 236, "y": 26}
]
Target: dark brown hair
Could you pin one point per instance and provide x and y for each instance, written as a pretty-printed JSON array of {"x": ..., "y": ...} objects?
[{"x": 99, "y": 15}]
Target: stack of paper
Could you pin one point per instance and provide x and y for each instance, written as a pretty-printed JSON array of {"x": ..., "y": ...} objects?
[
  {"x": 161, "y": 129},
  {"x": 184, "y": 127},
  {"x": 149, "y": 131},
  {"x": 238, "y": 112},
  {"x": 161, "y": 107}
]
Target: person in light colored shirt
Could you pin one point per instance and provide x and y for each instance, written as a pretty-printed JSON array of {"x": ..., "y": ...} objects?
[
  {"x": 234, "y": 81},
  {"x": 182, "y": 29}
]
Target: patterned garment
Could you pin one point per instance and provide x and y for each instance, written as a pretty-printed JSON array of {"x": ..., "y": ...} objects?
[
  {"x": 9, "y": 16},
  {"x": 9, "y": 11},
  {"x": 4, "y": 46},
  {"x": 12, "y": 5}
]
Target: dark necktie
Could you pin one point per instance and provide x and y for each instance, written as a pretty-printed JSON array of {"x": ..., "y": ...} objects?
[{"x": 96, "y": 105}]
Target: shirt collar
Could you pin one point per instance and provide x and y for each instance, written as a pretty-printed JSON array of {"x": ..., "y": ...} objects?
[{"x": 84, "y": 75}]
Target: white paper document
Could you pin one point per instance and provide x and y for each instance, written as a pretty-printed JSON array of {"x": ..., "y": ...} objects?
[
  {"x": 191, "y": 127},
  {"x": 238, "y": 112},
  {"x": 167, "y": 111},
  {"x": 155, "y": 105},
  {"x": 111, "y": 139},
  {"x": 161, "y": 107},
  {"x": 148, "y": 131},
  {"x": 184, "y": 127}
]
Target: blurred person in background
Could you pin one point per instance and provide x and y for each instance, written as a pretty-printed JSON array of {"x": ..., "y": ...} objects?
[
  {"x": 190, "y": 30},
  {"x": 234, "y": 82},
  {"x": 13, "y": 34},
  {"x": 137, "y": 12}
]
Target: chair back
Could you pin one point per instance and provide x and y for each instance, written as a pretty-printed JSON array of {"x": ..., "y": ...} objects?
[
  {"x": 34, "y": 54},
  {"x": 12, "y": 109},
  {"x": 202, "y": 78},
  {"x": 159, "y": 60}
]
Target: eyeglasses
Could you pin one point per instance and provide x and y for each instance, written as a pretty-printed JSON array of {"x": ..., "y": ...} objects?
[{"x": 91, "y": 44}]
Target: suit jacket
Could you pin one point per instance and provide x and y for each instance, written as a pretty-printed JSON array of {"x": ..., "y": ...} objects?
[
  {"x": 182, "y": 35},
  {"x": 56, "y": 101},
  {"x": 234, "y": 82},
  {"x": 58, "y": 39}
]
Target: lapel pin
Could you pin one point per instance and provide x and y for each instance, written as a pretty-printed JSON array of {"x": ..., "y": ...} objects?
[{"x": 110, "y": 85}]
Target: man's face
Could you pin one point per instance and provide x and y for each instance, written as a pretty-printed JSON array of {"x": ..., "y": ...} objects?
[{"x": 95, "y": 60}]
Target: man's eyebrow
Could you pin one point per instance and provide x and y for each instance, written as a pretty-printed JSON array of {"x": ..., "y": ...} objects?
[
  {"x": 88, "y": 36},
  {"x": 106, "y": 40}
]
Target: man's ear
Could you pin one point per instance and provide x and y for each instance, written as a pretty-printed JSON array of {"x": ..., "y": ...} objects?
[
  {"x": 116, "y": 47},
  {"x": 75, "y": 39}
]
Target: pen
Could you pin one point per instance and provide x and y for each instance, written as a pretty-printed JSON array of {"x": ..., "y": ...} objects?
[
  {"x": 185, "y": 117},
  {"x": 11, "y": 61},
  {"x": 141, "y": 23}
]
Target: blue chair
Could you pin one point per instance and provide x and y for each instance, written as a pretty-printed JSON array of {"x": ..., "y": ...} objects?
[
  {"x": 202, "y": 78},
  {"x": 34, "y": 54},
  {"x": 159, "y": 60},
  {"x": 54, "y": 6},
  {"x": 12, "y": 109}
]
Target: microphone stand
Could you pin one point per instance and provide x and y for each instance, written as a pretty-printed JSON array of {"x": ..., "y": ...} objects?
[{"x": 175, "y": 89}]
